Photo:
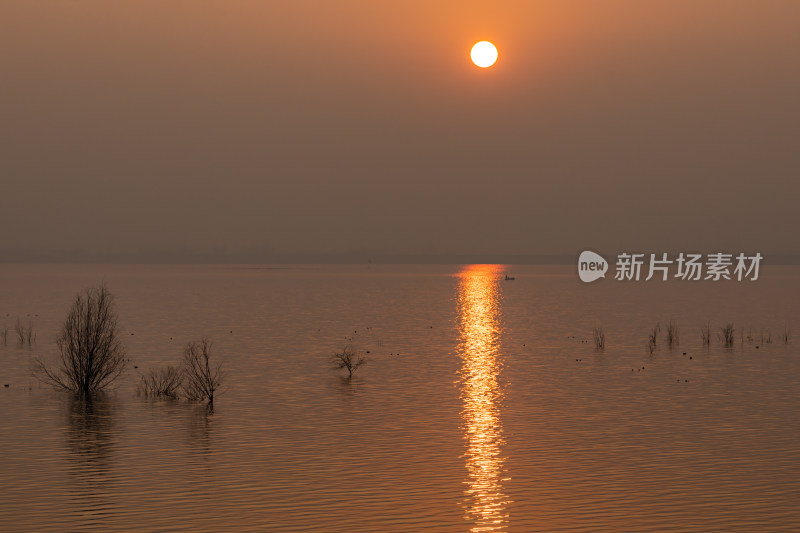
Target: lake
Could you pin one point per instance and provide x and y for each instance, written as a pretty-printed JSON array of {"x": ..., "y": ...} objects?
[{"x": 484, "y": 404}]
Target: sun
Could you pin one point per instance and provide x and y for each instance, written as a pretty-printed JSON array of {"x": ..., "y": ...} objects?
[{"x": 484, "y": 54}]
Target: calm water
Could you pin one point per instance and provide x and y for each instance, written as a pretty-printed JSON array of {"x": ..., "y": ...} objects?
[{"x": 482, "y": 407}]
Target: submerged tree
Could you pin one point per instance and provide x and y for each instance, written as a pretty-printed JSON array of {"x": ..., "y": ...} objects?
[
  {"x": 25, "y": 334},
  {"x": 91, "y": 354},
  {"x": 162, "y": 382},
  {"x": 201, "y": 377},
  {"x": 348, "y": 359}
]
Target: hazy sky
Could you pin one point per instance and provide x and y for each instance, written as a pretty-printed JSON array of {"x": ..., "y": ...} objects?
[{"x": 311, "y": 125}]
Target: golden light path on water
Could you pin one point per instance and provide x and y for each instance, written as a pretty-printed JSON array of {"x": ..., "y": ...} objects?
[{"x": 481, "y": 392}]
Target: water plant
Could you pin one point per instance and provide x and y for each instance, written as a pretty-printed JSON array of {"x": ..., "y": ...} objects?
[
  {"x": 25, "y": 334},
  {"x": 727, "y": 334},
  {"x": 705, "y": 330},
  {"x": 672, "y": 334},
  {"x": 162, "y": 382},
  {"x": 652, "y": 338},
  {"x": 786, "y": 336},
  {"x": 599, "y": 337}
]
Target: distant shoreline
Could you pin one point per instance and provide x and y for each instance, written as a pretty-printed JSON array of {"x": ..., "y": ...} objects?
[{"x": 354, "y": 258}]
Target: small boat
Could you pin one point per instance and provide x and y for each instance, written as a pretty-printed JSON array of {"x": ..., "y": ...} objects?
[{"x": 509, "y": 278}]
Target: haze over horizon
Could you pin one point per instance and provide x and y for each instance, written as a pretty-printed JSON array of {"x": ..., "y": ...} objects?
[{"x": 315, "y": 129}]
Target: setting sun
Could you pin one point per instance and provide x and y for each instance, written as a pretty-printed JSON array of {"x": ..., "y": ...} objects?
[{"x": 484, "y": 54}]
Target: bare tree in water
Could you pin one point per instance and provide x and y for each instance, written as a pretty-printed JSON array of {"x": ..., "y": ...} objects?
[
  {"x": 202, "y": 378},
  {"x": 91, "y": 354},
  {"x": 348, "y": 359}
]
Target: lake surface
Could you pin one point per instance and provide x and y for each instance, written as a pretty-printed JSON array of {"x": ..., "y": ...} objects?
[{"x": 484, "y": 405}]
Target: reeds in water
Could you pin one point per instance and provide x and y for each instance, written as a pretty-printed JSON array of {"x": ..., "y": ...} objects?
[
  {"x": 672, "y": 334},
  {"x": 652, "y": 339},
  {"x": 727, "y": 334},
  {"x": 599, "y": 338},
  {"x": 705, "y": 330},
  {"x": 786, "y": 336}
]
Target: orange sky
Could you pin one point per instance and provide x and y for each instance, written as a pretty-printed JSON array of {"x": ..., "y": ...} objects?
[{"x": 360, "y": 125}]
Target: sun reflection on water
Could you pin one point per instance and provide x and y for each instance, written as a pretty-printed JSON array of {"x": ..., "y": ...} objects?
[{"x": 479, "y": 313}]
